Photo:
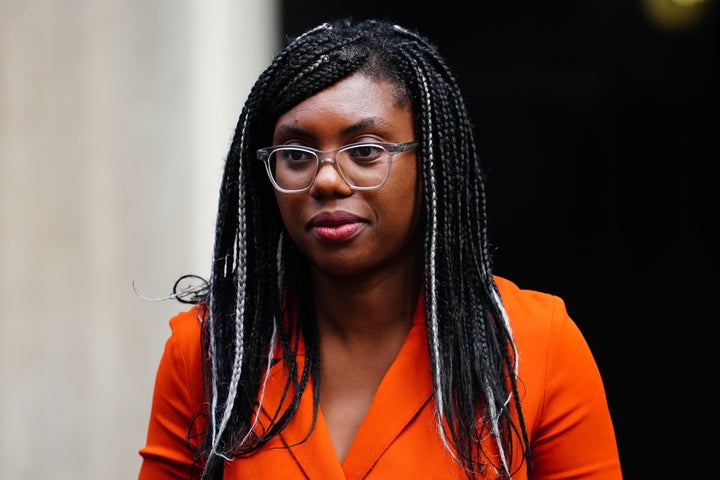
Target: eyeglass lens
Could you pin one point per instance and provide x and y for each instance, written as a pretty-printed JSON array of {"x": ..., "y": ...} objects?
[{"x": 364, "y": 165}]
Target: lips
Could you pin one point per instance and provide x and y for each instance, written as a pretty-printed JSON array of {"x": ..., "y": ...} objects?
[{"x": 335, "y": 226}]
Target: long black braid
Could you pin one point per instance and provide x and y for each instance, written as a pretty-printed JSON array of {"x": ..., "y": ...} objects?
[{"x": 258, "y": 275}]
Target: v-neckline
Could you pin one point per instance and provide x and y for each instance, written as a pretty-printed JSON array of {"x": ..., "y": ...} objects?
[{"x": 402, "y": 393}]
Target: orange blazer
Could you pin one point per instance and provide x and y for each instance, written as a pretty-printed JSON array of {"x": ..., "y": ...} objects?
[{"x": 562, "y": 395}]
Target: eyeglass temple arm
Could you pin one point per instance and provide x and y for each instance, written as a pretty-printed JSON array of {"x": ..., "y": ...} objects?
[{"x": 401, "y": 147}]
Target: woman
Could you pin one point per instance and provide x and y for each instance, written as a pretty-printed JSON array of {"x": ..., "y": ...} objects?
[{"x": 352, "y": 326}]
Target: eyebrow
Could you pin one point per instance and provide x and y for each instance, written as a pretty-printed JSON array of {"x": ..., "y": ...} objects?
[{"x": 356, "y": 127}]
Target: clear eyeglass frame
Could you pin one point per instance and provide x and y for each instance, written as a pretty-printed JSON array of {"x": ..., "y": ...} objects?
[{"x": 330, "y": 156}]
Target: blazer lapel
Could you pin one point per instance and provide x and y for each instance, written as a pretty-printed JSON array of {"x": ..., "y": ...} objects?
[
  {"x": 404, "y": 390},
  {"x": 314, "y": 454}
]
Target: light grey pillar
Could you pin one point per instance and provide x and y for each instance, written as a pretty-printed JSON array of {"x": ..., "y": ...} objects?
[{"x": 115, "y": 117}]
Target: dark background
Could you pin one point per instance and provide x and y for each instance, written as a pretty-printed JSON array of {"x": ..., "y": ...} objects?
[{"x": 597, "y": 121}]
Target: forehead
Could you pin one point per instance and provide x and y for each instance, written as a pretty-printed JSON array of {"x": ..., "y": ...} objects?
[{"x": 358, "y": 101}]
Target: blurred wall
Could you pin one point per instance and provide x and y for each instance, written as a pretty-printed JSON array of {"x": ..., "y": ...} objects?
[{"x": 115, "y": 117}]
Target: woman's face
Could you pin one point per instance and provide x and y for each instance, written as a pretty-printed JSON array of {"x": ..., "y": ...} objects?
[{"x": 345, "y": 232}]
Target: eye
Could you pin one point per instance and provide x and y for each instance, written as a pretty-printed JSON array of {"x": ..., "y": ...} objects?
[
  {"x": 293, "y": 155},
  {"x": 365, "y": 153}
]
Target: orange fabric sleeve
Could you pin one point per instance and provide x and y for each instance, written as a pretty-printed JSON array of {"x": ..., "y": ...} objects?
[
  {"x": 563, "y": 397},
  {"x": 576, "y": 439},
  {"x": 177, "y": 397}
]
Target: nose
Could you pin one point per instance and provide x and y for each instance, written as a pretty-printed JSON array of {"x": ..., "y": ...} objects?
[{"x": 328, "y": 181}]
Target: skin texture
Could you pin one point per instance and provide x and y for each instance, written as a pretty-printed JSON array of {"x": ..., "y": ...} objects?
[{"x": 362, "y": 246}]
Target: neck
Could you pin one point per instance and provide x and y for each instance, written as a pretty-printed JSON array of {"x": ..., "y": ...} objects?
[{"x": 368, "y": 307}]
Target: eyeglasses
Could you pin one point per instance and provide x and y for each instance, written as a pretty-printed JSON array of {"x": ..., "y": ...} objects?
[{"x": 363, "y": 166}]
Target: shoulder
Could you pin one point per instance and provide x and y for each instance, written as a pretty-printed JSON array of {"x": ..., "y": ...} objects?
[
  {"x": 544, "y": 332},
  {"x": 186, "y": 325},
  {"x": 552, "y": 351},
  {"x": 560, "y": 387},
  {"x": 516, "y": 297},
  {"x": 182, "y": 359},
  {"x": 531, "y": 312}
]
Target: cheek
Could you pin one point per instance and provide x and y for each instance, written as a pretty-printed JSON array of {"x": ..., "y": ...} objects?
[
  {"x": 403, "y": 199},
  {"x": 289, "y": 211}
]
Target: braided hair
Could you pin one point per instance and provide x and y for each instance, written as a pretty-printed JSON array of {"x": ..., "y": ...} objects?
[{"x": 258, "y": 275}]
